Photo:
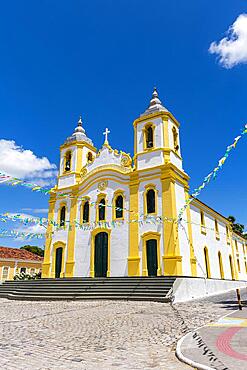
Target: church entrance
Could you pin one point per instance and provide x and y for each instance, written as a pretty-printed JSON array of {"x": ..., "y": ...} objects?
[
  {"x": 152, "y": 260},
  {"x": 58, "y": 264},
  {"x": 101, "y": 254}
]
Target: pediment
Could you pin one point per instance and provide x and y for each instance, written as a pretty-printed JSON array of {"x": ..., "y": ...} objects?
[{"x": 108, "y": 158}]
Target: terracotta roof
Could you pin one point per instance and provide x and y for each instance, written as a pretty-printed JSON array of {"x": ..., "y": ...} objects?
[{"x": 18, "y": 254}]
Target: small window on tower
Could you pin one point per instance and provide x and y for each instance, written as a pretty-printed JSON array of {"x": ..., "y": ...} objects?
[
  {"x": 68, "y": 161},
  {"x": 150, "y": 199},
  {"x": 175, "y": 139},
  {"x": 62, "y": 216},
  {"x": 89, "y": 157},
  {"x": 149, "y": 137}
]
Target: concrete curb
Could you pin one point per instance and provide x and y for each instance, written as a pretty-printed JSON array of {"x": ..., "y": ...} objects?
[{"x": 188, "y": 361}]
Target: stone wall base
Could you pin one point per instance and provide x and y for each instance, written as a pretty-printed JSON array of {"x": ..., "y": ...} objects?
[{"x": 185, "y": 289}]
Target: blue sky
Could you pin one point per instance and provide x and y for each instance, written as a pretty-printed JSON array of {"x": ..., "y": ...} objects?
[{"x": 101, "y": 59}]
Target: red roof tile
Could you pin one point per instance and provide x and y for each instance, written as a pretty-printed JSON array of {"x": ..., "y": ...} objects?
[{"x": 18, "y": 254}]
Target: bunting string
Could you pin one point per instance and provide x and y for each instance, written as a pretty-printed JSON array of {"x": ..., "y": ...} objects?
[
  {"x": 155, "y": 220},
  {"x": 213, "y": 174}
]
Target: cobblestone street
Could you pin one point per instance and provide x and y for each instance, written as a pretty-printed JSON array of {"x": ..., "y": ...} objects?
[{"x": 95, "y": 335}]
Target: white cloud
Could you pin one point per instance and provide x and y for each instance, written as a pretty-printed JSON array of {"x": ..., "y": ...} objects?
[
  {"x": 22, "y": 163},
  {"x": 232, "y": 49},
  {"x": 36, "y": 210},
  {"x": 36, "y": 229}
]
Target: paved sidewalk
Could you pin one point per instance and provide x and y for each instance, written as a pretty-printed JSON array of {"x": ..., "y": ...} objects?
[
  {"x": 96, "y": 335},
  {"x": 220, "y": 345}
]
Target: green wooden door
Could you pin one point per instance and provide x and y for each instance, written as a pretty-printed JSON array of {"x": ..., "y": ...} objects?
[
  {"x": 58, "y": 265},
  {"x": 101, "y": 255},
  {"x": 152, "y": 261}
]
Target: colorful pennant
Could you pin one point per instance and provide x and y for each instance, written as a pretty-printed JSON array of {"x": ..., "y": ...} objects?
[{"x": 212, "y": 175}]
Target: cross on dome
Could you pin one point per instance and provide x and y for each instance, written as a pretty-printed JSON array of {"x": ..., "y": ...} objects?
[{"x": 106, "y": 135}]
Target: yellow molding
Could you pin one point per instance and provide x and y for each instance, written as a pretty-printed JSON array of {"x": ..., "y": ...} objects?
[
  {"x": 80, "y": 188},
  {"x": 157, "y": 115},
  {"x": 133, "y": 264},
  {"x": 164, "y": 150},
  {"x": 80, "y": 144},
  {"x": 79, "y": 159},
  {"x": 207, "y": 262},
  {"x": 71, "y": 238},
  {"x": 221, "y": 265},
  {"x": 170, "y": 237},
  {"x": 193, "y": 265},
  {"x": 234, "y": 261},
  {"x": 48, "y": 241}
]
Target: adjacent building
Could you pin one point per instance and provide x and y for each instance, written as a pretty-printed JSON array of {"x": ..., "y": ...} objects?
[{"x": 14, "y": 260}]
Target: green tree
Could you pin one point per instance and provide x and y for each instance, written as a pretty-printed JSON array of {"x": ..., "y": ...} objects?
[
  {"x": 238, "y": 228},
  {"x": 34, "y": 249}
]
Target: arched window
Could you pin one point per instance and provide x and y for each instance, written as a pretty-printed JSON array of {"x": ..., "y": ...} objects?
[
  {"x": 89, "y": 157},
  {"x": 119, "y": 207},
  {"x": 221, "y": 266},
  {"x": 67, "y": 166},
  {"x": 150, "y": 200},
  {"x": 62, "y": 215},
  {"x": 85, "y": 212},
  {"x": 149, "y": 137},
  {"x": 207, "y": 262},
  {"x": 101, "y": 209},
  {"x": 231, "y": 267}
]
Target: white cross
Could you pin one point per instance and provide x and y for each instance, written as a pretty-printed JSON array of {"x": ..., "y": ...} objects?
[{"x": 106, "y": 135}]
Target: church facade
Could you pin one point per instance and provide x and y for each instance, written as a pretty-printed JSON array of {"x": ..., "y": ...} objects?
[{"x": 114, "y": 215}]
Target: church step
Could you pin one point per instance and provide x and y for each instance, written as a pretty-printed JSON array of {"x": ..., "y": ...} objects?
[
  {"x": 34, "y": 286},
  {"x": 88, "y": 291},
  {"x": 93, "y": 280},
  {"x": 95, "y": 297},
  {"x": 104, "y": 292},
  {"x": 54, "y": 289},
  {"x": 138, "y": 288}
]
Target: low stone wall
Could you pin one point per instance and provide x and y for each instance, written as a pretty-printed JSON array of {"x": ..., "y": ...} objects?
[{"x": 185, "y": 289}]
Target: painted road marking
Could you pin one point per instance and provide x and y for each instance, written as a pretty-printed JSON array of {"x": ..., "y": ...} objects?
[
  {"x": 230, "y": 321},
  {"x": 223, "y": 344}
]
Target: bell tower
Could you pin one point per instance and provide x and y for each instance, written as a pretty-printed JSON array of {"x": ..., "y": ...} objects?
[
  {"x": 76, "y": 152},
  {"x": 156, "y": 137}
]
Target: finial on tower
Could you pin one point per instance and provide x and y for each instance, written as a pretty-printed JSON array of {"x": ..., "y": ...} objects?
[
  {"x": 155, "y": 104},
  {"x": 79, "y": 128},
  {"x": 79, "y": 134},
  {"x": 79, "y": 123}
]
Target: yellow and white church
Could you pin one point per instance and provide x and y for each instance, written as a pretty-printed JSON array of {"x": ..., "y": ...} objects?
[{"x": 116, "y": 215}]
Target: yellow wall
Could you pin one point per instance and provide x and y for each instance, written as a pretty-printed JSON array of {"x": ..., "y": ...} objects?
[{"x": 15, "y": 266}]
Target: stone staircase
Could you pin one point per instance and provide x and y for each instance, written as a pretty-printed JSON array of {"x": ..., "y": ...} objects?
[{"x": 113, "y": 288}]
